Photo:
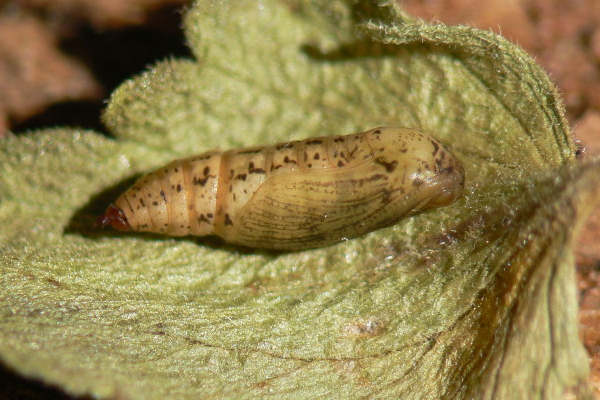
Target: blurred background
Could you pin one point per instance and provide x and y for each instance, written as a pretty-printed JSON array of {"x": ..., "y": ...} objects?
[{"x": 61, "y": 59}]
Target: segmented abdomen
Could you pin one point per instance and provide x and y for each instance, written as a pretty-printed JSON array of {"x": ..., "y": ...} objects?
[{"x": 297, "y": 194}]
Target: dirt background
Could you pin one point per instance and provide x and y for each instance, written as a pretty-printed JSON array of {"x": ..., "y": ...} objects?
[{"x": 60, "y": 59}]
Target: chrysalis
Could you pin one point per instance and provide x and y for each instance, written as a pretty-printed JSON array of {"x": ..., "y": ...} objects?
[{"x": 294, "y": 195}]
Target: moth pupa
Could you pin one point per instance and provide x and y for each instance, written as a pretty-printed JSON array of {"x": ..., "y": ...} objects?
[{"x": 295, "y": 195}]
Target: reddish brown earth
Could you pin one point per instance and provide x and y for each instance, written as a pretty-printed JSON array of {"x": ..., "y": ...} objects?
[{"x": 45, "y": 59}]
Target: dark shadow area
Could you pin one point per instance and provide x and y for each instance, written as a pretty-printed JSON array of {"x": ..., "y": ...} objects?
[
  {"x": 78, "y": 114},
  {"x": 116, "y": 55},
  {"x": 112, "y": 56},
  {"x": 83, "y": 222},
  {"x": 17, "y": 387}
]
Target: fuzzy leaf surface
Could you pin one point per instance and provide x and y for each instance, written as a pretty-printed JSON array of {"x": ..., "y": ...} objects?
[{"x": 473, "y": 300}]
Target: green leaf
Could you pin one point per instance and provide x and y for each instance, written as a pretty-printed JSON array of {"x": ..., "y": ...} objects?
[{"x": 474, "y": 300}]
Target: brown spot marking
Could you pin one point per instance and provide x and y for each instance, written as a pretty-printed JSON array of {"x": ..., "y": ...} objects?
[
  {"x": 209, "y": 215},
  {"x": 206, "y": 171},
  {"x": 389, "y": 166},
  {"x": 436, "y": 147},
  {"x": 228, "y": 220},
  {"x": 340, "y": 163},
  {"x": 353, "y": 151},
  {"x": 339, "y": 140},
  {"x": 142, "y": 203},
  {"x": 377, "y": 132},
  {"x": 53, "y": 282},
  {"x": 316, "y": 156},
  {"x": 241, "y": 177},
  {"x": 176, "y": 169},
  {"x": 253, "y": 170},
  {"x": 155, "y": 203},
  {"x": 305, "y": 156},
  {"x": 178, "y": 187},
  {"x": 202, "y": 218},
  {"x": 309, "y": 165},
  {"x": 314, "y": 141},
  {"x": 200, "y": 181},
  {"x": 288, "y": 160}
]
